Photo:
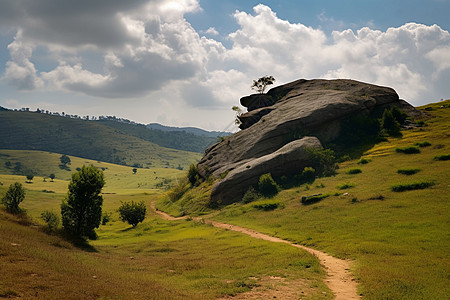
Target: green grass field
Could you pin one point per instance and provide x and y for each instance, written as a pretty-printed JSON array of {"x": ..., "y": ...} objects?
[
  {"x": 158, "y": 259},
  {"x": 398, "y": 240}
]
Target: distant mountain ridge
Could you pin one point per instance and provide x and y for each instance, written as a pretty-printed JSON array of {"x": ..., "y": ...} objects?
[{"x": 192, "y": 130}]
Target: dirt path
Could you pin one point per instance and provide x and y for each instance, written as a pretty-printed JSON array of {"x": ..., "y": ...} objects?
[{"x": 339, "y": 280}]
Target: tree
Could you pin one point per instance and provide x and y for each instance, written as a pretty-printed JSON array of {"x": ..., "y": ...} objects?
[
  {"x": 50, "y": 218},
  {"x": 52, "y": 176},
  {"x": 65, "y": 160},
  {"x": 261, "y": 84},
  {"x": 14, "y": 195},
  {"x": 134, "y": 170},
  {"x": 30, "y": 177},
  {"x": 82, "y": 209},
  {"x": 132, "y": 212},
  {"x": 267, "y": 186}
]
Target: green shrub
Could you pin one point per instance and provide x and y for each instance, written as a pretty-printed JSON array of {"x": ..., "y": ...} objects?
[
  {"x": 267, "y": 186},
  {"x": 354, "y": 171},
  {"x": 408, "y": 171},
  {"x": 389, "y": 124},
  {"x": 363, "y": 161},
  {"x": 313, "y": 198},
  {"x": 345, "y": 186},
  {"x": 106, "y": 217},
  {"x": 442, "y": 157},
  {"x": 132, "y": 212},
  {"x": 193, "y": 175},
  {"x": 408, "y": 150},
  {"x": 308, "y": 174},
  {"x": 267, "y": 205},
  {"x": 423, "y": 144},
  {"x": 51, "y": 219},
  {"x": 323, "y": 161},
  {"x": 250, "y": 196},
  {"x": 412, "y": 186},
  {"x": 13, "y": 197},
  {"x": 178, "y": 190}
]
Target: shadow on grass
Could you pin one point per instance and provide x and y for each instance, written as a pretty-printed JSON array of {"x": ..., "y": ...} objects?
[{"x": 78, "y": 242}]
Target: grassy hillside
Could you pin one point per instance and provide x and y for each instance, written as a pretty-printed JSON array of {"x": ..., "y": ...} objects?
[
  {"x": 399, "y": 240},
  {"x": 180, "y": 140},
  {"x": 88, "y": 139}
]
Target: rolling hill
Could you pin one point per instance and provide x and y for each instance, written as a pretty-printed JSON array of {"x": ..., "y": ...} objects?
[{"x": 87, "y": 139}]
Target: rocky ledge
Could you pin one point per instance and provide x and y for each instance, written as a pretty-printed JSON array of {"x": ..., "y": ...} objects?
[{"x": 281, "y": 124}]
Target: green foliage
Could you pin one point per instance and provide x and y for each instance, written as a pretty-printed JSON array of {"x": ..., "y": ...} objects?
[
  {"x": 323, "y": 161},
  {"x": 65, "y": 160},
  {"x": 353, "y": 171},
  {"x": 412, "y": 186},
  {"x": 442, "y": 157},
  {"x": 82, "y": 209},
  {"x": 359, "y": 129},
  {"x": 389, "y": 123},
  {"x": 267, "y": 186},
  {"x": 178, "y": 190},
  {"x": 345, "y": 186},
  {"x": 193, "y": 175},
  {"x": 266, "y": 205},
  {"x": 408, "y": 150},
  {"x": 132, "y": 212},
  {"x": 106, "y": 217},
  {"x": 52, "y": 176},
  {"x": 363, "y": 161},
  {"x": 134, "y": 170},
  {"x": 13, "y": 197},
  {"x": 308, "y": 174},
  {"x": 51, "y": 219},
  {"x": 261, "y": 84},
  {"x": 408, "y": 171},
  {"x": 30, "y": 177},
  {"x": 250, "y": 195},
  {"x": 423, "y": 144},
  {"x": 313, "y": 198}
]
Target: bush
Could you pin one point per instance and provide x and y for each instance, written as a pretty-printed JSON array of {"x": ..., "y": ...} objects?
[
  {"x": 324, "y": 161},
  {"x": 250, "y": 195},
  {"x": 412, "y": 186},
  {"x": 13, "y": 197},
  {"x": 193, "y": 175},
  {"x": 408, "y": 150},
  {"x": 345, "y": 186},
  {"x": 423, "y": 144},
  {"x": 51, "y": 219},
  {"x": 308, "y": 174},
  {"x": 106, "y": 217},
  {"x": 354, "y": 171},
  {"x": 267, "y": 186},
  {"x": 178, "y": 190},
  {"x": 313, "y": 198},
  {"x": 132, "y": 212},
  {"x": 408, "y": 171},
  {"x": 391, "y": 120},
  {"x": 267, "y": 205},
  {"x": 363, "y": 161},
  {"x": 442, "y": 157}
]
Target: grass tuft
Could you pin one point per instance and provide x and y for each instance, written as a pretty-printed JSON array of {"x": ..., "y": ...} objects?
[
  {"x": 412, "y": 186},
  {"x": 442, "y": 157},
  {"x": 353, "y": 171},
  {"x": 408, "y": 150},
  {"x": 408, "y": 171}
]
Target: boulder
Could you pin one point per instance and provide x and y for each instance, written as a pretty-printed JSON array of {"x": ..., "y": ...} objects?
[
  {"x": 315, "y": 108},
  {"x": 291, "y": 158}
]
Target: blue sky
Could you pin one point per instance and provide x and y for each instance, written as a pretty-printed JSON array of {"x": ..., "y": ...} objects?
[{"x": 187, "y": 62}]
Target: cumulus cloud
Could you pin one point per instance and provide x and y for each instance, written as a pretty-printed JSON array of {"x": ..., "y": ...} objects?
[{"x": 147, "y": 46}]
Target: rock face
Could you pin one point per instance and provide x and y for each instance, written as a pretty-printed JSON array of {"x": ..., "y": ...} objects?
[{"x": 287, "y": 113}]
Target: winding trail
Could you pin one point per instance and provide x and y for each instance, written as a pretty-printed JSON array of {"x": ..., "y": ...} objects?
[{"x": 339, "y": 279}]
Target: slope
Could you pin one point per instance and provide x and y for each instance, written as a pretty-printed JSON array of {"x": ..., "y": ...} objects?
[
  {"x": 399, "y": 240},
  {"x": 180, "y": 140},
  {"x": 37, "y": 131}
]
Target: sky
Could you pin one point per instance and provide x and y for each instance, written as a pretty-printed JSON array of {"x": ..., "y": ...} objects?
[{"x": 187, "y": 62}]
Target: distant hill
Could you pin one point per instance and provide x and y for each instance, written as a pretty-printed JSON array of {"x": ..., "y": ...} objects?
[
  {"x": 192, "y": 130},
  {"x": 170, "y": 137},
  {"x": 21, "y": 130}
]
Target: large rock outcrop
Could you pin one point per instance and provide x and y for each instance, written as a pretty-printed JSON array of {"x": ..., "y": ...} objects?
[{"x": 287, "y": 113}]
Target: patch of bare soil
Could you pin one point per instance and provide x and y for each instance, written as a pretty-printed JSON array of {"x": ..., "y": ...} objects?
[{"x": 339, "y": 279}]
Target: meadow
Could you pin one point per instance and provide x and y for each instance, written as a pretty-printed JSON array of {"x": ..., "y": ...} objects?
[{"x": 158, "y": 259}]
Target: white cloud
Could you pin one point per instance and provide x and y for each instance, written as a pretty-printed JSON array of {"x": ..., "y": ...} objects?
[{"x": 149, "y": 52}]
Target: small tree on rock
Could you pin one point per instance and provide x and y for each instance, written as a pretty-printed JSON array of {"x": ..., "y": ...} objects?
[
  {"x": 261, "y": 84},
  {"x": 82, "y": 209},
  {"x": 14, "y": 195},
  {"x": 132, "y": 212}
]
